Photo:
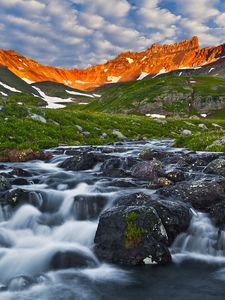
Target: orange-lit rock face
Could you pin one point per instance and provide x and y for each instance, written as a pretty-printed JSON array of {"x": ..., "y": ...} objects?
[{"x": 127, "y": 66}]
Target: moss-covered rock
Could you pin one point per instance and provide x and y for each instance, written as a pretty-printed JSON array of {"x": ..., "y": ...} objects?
[{"x": 132, "y": 235}]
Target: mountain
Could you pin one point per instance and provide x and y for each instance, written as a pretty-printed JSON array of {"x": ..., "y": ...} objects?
[
  {"x": 51, "y": 94},
  {"x": 156, "y": 60}
]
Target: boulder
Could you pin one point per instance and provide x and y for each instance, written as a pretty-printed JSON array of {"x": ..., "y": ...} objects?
[
  {"x": 80, "y": 162},
  {"x": 117, "y": 167},
  {"x": 175, "y": 215},
  {"x": 150, "y": 154},
  {"x": 150, "y": 170},
  {"x": 217, "y": 167},
  {"x": 132, "y": 235},
  {"x": 176, "y": 175},
  {"x": 199, "y": 193},
  {"x": 66, "y": 259},
  {"x": 19, "y": 196},
  {"x": 4, "y": 183},
  {"x": 217, "y": 214},
  {"x": 186, "y": 132}
]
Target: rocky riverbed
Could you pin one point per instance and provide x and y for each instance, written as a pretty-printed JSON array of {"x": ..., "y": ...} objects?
[{"x": 109, "y": 222}]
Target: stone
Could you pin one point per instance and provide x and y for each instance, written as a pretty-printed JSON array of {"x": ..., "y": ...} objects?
[
  {"x": 186, "y": 132},
  {"x": 202, "y": 126},
  {"x": 148, "y": 170},
  {"x": 201, "y": 194},
  {"x": 217, "y": 167},
  {"x": 80, "y": 162},
  {"x": 38, "y": 118},
  {"x": 118, "y": 134},
  {"x": 131, "y": 236},
  {"x": 4, "y": 183}
]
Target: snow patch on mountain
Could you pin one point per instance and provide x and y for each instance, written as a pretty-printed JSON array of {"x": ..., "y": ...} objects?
[
  {"x": 114, "y": 79},
  {"x": 130, "y": 60},
  {"x": 53, "y": 102},
  {"x": 162, "y": 71},
  {"x": 142, "y": 76},
  {"x": 79, "y": 94},
  {"x": 10, "y": 88},
  {"x": 3, "y": 94},
  {"x": 28, "y": 80}
]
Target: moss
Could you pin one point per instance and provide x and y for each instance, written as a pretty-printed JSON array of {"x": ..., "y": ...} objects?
[{"x": 133, "y": 233}]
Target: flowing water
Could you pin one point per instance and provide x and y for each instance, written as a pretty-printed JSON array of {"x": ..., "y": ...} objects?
[{"x": 32, "y": 240}]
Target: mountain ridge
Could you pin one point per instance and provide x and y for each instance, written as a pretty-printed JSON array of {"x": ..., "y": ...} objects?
[{"x": 157, "y": 59}]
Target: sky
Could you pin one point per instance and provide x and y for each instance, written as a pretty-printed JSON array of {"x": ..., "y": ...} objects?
[{"x": 80, "y": 33}]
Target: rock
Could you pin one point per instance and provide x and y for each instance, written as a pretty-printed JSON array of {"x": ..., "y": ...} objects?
[
  {"x": 20, "y": 181},
  {"x": 4, "y": 183},
  {"x": 114, "y": 167},
  {"x": 219, "y": 142},
  {"x": 161, "y": 182},
  {"x": 119, "y": 134},
  {"x": 186, "y": 132},
  {"x": 175, "y": 215},
  {"x": 200, "y": 194},
  {"x": 88, "y": 207},
  {"x": 176, "y": 176},
  {"x": 217, "y": 214},
  {"x": 38, "y": 118},
  {"x": 148, "y": 170},
  {"x": 80, "y": 162},
  {"x": 104, "y": 136},
  {"x": 19, "y": 196},
  {"x": 216, "y": 126},
  {"x": 79, "y": 128},
  {"x": 131, "y": 236},
  {"x": 126, "y": 182},
  {"x": 86, "y": 133},
  {"x": 149, "y": 154},
  {"x": 21, "y": 172},
  {"x": 23, "y": 155},
  {"x": 202, "y": 126},
  {"x": 217, "y": 167},
  {"x": 66, "y": 259},
  {"x": 160, "y": 121}
]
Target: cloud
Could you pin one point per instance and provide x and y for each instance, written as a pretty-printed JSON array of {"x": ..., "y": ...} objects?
[{"x": 79, "y": 33}]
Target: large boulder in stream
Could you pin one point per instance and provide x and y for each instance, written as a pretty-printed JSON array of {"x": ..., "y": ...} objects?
[
  {"x": 118, "y": 166},
  {"x": 217, "y": 214},
  {"x": 201, "y": 194},
  {"x": 80, "y": 162},
  {"x": 132, "y": 235},
  {"x": 175, "y": 215},
  {"x": 18, "y": 197}
]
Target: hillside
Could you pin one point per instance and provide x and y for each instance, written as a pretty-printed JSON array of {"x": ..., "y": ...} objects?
[{"x": 170, "y": 95}]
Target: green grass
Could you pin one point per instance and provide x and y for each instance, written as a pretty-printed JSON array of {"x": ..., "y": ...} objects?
[
  {"x": 166, "y": 94},
  {"x": 18, "y": 130}
]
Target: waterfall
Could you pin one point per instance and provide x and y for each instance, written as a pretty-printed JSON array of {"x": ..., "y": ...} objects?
[{"x": 203, "y": 241}]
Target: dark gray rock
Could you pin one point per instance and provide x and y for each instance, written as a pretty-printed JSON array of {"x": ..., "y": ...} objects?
[
  {"x": 200, "y": 194},
  {"x": 150, "y": 170},
  {"x": 132, "y": 235},
  {"x": 4, "y": 183},
  {"x": 217, "y": 167},
  {"x": 83, "y": 161}
]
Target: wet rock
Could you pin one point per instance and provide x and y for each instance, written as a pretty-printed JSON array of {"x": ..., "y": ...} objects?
[
  {"x": 23, "y": 155},
  {"x": 88, "y": 207},
  {"x": 217, "y": 167},
  {"x": 148, "y": 170},
  {"x": 20, "y": 181},
  {"x": 4, "y": 183},
  {"x": 66, "y": 259},
  {"x": 200, "y": 194},
  {"x": 132, "y": 235},
  {"x": 83, "y": 161},
  {"x": 124, "y": 183},
  {"x": 114, "y": 167},
  {"x": 175, "y": 215},
  {"x": 20, "y": 172},
  {"x": 135, "y": 199},
  {"x": 19, "y": 196},
  {"x": 176, "y": 175},
  {"x": 150, "y": 154},
  {"x": 159, "y": 183},
  {"x": 217, "y": 214}
]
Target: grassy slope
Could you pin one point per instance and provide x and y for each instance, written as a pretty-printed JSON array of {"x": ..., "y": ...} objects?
[
  {"x": 132, "y": 95},
  {"x": 18, "y": 130}
]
